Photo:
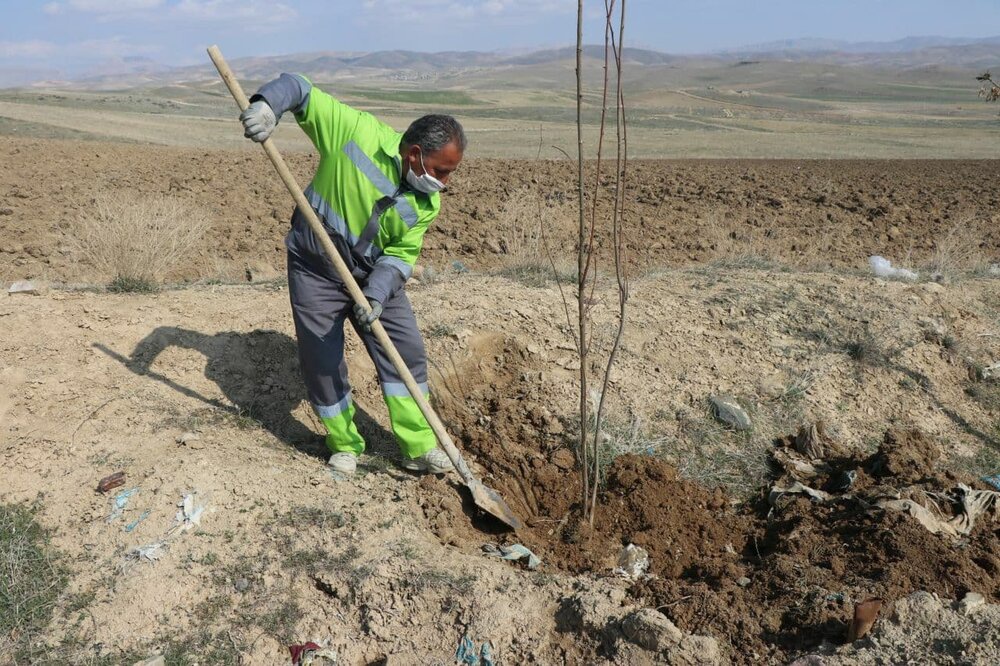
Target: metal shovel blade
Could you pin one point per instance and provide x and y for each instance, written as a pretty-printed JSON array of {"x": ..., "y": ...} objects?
[{"x": 490, "y": 501}]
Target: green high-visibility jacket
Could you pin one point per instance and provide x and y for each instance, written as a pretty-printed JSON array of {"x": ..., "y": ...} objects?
[{"x": 359, "y": 165}]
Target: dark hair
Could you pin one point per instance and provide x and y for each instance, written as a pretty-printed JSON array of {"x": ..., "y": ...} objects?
[{"x": 433, "y": 132}]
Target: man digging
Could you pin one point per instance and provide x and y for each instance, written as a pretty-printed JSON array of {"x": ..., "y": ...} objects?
[{"x": 376, "y": 192}]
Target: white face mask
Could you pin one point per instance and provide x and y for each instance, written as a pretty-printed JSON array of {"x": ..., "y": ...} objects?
[{"x": 425, "y": 182}]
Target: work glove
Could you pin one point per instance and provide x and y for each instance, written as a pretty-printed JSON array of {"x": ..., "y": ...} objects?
[
  {"x": 258, "y": 121},
  {"x": 366, "y": 319}
]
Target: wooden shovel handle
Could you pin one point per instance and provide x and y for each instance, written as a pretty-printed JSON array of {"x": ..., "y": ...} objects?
[{"x": 345, "y": 275}]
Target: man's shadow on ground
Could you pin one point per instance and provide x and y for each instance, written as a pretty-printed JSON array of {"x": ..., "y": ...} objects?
[{"x": 259, "y": 374}]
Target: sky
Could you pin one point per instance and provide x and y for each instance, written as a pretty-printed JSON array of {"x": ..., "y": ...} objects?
[{"x": 66, "y": 37}]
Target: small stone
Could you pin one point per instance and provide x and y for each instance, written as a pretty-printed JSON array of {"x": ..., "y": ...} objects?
[
  {"x": 696, "y": 650},
  {"x": 726, "y": 409},
  {"x": 970, "y": 602},
  {"x": 241, "y": 584},
  {"x": 6, "y": 211},
  {"x": 188, "y": 437},
  {"x": 743, "y": 581},
  {"x": 564, "y": 459},
  {"x": 650, "y": 629}
]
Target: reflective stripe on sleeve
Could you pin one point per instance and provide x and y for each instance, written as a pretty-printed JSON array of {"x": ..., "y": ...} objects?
[{"x": 398, "y": 264}]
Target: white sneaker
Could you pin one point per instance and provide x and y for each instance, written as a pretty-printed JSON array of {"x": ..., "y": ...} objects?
[
  {"x": 434, "y": 461},
  {"x": 343, "y": 463}
]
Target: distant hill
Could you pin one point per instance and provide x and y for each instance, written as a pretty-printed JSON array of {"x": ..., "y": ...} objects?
[{"x": 414, "y": 66}]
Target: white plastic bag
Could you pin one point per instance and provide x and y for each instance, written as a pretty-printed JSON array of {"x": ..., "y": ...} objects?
[{"x": 883, "y": 268}]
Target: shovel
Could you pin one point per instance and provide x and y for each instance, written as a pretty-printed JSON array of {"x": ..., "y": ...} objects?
[{"x": 484, "y": 497}]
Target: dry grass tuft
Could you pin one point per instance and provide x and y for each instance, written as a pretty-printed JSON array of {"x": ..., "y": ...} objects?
[
  {"x": 960, "y": 251},
  {"x": 521, "y": 245},
  {"x": 134, "y": 242}
]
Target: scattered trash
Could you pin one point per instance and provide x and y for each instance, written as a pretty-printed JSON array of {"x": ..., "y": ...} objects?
[
  {"x": 150, "y": 553},
  {"x": 797, "y": 488},
  {"x": 23, "y": 287},
  {"x": 119, "y": 503},
  {"x": 311, "y": 653},
  {"x": 970, "y": 602},
  {"x": 514, "y": 553},
  {"x": 466, "y": 654},
  {"x": 883, "y": 268},
  {"x": 974, "y": 503},
  {"x": 486, "y": 655},
  {"x": 189, "y": 515},
  {"x": 459, "y": 267},
  {"x": 135, "y": 523},
  {"x": 865, "y": 615},
  {"x": 633, "y": 562},
  {"x": 991, "y": 371},
  {"x": 993, "y": 480},
  {"x": 844, "y": 481},
  {"x": 111, "y": 482},
  {"x": 726, "y": 409}
]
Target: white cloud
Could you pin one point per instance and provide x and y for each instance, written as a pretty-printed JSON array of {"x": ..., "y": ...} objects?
[
  {"x": 435, "y": 10},
  {"x": 237, "y": 10},
  {"x": 32, "y": 48},
  {"x": 111, "y": 6},
  {"x": 90, "y": 49}
]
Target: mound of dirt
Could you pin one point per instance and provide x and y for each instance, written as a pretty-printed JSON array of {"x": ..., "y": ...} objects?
[
  {"x": 906, "y": 457},
  {"x": 771, "y": 581}
]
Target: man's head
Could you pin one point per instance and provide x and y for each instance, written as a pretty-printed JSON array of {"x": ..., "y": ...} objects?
[{"x": 433, "y": 144}]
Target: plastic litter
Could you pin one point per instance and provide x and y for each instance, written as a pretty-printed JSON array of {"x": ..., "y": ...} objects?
[
  {"x": 111, "y": 482},
  {"x": 309, "y": 654},
  {"x": 486, "y": 655},
  {"x": 467, "y": 655},
  {"x": 991, "y": 371},
  {"x": 189, "y": 515},
  {"x": 23, "y": 287},
  {"x": 777, "y": 492},
  {"x": 459, "y": 267},
  {"x": 993, "y": 480},
  {"x": 466, "y": 652},
  {"x": 633, "y": 562},
  {"x": 119, "y": 503},
  {"x": 883, "y": 268},
  {"x": 135, "y": 523},
  {"x": 975, "y": 504},
  {"x": 150, "y": 552},
  {"x": 514, "y": 553}
]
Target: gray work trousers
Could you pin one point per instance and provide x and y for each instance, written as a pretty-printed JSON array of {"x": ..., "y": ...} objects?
[{"x": 320, "y": 305}]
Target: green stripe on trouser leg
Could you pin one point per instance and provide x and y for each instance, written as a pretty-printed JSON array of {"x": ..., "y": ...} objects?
[
  {"x": 342, "y": 435},
  {"x": 412, "y": 431}
]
